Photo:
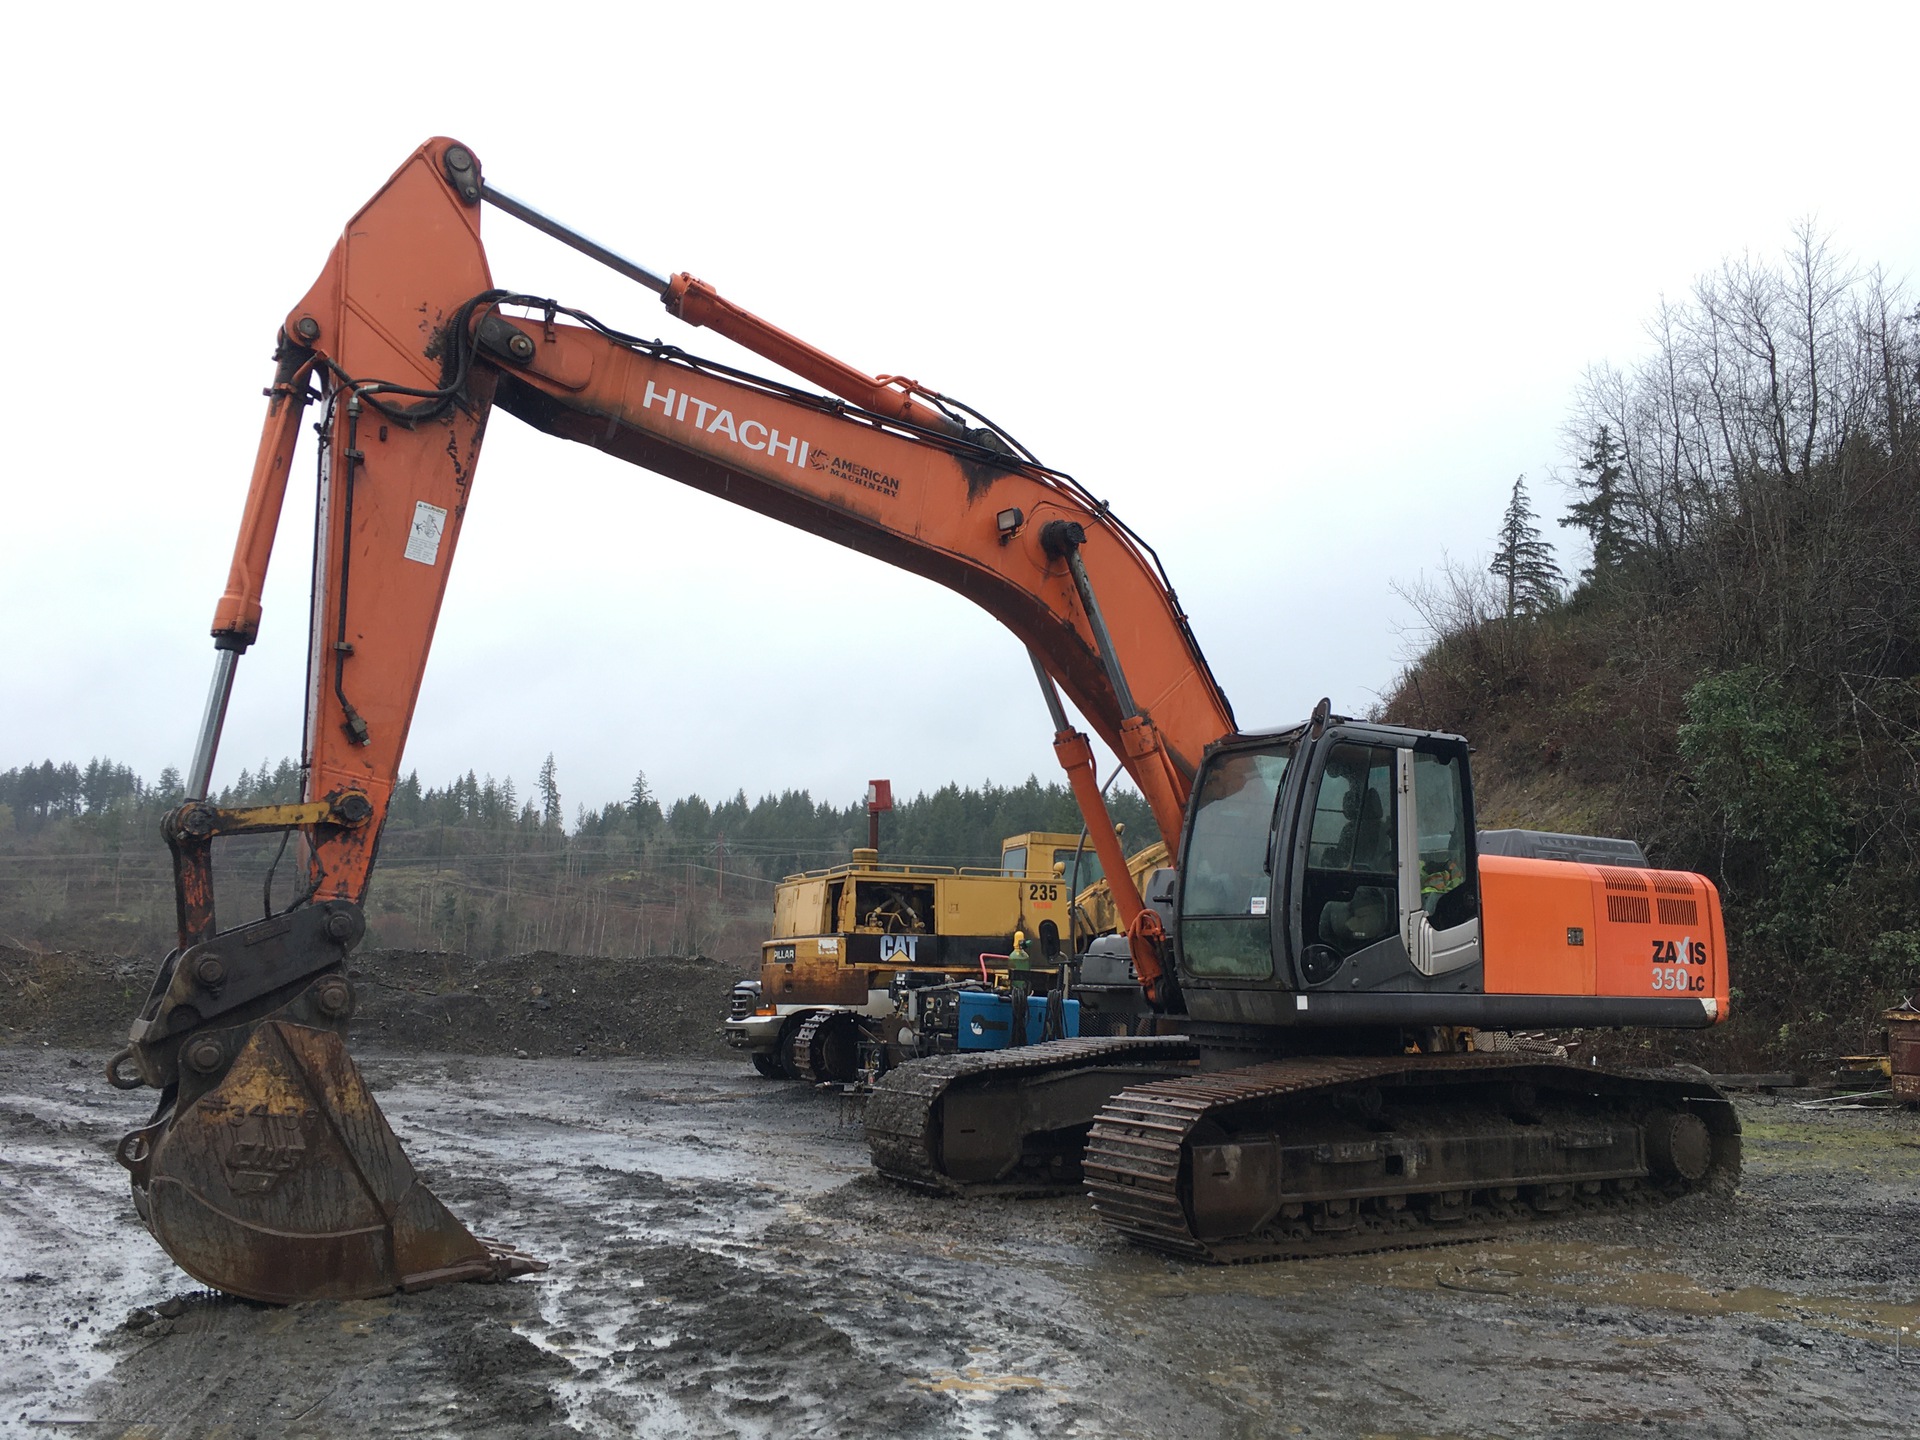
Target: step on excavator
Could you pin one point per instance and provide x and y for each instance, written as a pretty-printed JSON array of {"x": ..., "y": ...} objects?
[{"x": 1318, "y": 956}]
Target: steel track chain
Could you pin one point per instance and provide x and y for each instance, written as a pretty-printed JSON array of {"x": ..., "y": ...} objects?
[
  {"x": 1134, "y": 1155},
  {"x": 803, "y": 1046},
  {"x": 903, "y": 1110}
]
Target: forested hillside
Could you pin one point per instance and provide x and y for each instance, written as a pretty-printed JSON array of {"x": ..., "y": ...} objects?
[
  {"x": 474, "y": 867},
  {"x": 1734, "y": 679}
]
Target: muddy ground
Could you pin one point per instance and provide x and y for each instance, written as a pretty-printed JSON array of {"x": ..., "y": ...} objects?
[{"x": 723, "y": 1263}]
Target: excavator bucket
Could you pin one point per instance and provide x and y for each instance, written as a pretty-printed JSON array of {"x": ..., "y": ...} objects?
[
  {"x": 268, "y": 1170},
  {"x": 284, "y": 1182}
]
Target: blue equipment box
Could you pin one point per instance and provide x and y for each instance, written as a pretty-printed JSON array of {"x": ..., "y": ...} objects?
[{"x": 986, "y": 1018}]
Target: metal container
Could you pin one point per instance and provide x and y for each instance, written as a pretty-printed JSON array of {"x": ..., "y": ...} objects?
[
  {"x": 986, "y": 1019},
  {"x": 1903, "y": 1046}
]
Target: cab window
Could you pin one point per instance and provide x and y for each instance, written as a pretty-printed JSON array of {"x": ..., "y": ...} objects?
[
  {"x": 1088, "y": 869},
  {"x": 1350, "y": 898},
  {"x": 1013, "y": 861},
  {"x": 1224, "y": 929}
]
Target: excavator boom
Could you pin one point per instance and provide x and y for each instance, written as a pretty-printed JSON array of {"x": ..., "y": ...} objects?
[
  {"x": 412, "y": 346},
  {"x": 406, "y": 345}
]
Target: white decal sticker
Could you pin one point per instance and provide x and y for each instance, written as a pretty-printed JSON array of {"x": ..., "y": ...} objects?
[
  {"x": 829, "y": 946},
  {"x": 673, "y": 406},
  {"x": 1258, "y": 906},
  {"x": 423, "y": 541}
]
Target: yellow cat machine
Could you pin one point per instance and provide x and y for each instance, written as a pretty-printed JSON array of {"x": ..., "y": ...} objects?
[
  {"x": 866, "y": 960},
  {"x": 1095, "y": 910},
  {"x": 1323, "y": 945}
]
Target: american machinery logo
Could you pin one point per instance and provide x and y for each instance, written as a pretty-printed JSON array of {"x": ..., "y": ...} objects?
[{"x": 853, "y": 473}]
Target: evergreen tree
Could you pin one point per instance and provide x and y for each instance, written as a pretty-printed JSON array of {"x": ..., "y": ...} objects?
[
  {"x": 1602, "y": 513},
  {"x": 642, "y": 808},
  {"x": 548, "y": 785},
  {"x": 691, "y": 818},
  {"x": 1524, "y": 562},
  {"x": 405, "y": 806}
]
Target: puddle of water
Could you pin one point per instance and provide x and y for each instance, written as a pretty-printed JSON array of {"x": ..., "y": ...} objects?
[
  {"x": 75, "y": 1262},
  {"x": 975, "y": 1381},
  {"x": 550, "y": 1130},
  {"x": 980, "y": 1416},
  {"x": 582, "y": 1327}
]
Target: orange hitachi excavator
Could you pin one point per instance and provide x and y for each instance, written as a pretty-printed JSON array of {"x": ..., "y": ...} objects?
[{"x": 1315, "y": 964}]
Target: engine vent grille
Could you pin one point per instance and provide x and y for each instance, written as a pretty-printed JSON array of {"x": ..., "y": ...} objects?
[{"x": 1629, "y": 910}]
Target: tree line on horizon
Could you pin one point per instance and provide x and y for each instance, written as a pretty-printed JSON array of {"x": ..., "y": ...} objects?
[
  {"x": 773, "y": 835},
  {"x": 472, "y": 867}
]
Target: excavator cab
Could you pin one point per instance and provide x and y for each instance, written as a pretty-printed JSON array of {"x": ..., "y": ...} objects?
[
  {"x": 1333, "y": 877},
  {"x": 1333, "y": 858}
]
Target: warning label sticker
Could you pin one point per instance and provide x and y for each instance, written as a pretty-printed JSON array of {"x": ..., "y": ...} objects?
[{"x": 423, "y": 541}]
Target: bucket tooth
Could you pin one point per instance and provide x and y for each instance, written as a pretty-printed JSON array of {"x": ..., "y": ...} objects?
[{"x": 285, "y": 1183}]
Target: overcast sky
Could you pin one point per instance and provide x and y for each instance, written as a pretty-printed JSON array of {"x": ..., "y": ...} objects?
[{"x": 1299, "y": 290}]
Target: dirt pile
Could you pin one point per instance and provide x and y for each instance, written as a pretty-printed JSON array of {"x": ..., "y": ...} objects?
[
  {"x": 69, "y": 997},
  {"x": 541, "y": 1004},
  {"x": 538, "y": 1004}
]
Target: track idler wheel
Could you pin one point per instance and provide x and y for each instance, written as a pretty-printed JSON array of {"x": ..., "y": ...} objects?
[
  {"x": 284, "y": 1183},
  {"x": 1678, "y": 1145}
]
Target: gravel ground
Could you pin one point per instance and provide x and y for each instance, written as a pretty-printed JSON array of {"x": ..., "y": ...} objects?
[{"x": 724, "y": 1263}]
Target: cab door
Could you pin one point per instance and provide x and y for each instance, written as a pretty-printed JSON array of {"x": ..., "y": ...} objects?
[
  {"x": 1381, "y": 889},
  {"x": 1439, "y": 881},
  {"x": 1348, "y": 894}
]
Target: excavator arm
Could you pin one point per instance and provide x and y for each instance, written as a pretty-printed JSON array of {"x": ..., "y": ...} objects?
[
  {"x": 411, "y": 346},
  {"x": 267, "y": 1169}
]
